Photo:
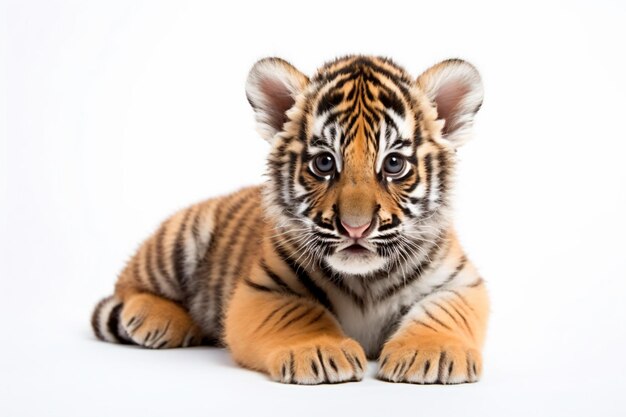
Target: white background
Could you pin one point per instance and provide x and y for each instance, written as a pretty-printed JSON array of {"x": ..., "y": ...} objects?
[{"x": 119, "y": 113}]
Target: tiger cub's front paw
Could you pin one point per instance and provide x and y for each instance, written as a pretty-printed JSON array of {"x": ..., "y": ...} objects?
[
  {"x": 430, "y": 362},
  {"x": 318, "y": 362}
]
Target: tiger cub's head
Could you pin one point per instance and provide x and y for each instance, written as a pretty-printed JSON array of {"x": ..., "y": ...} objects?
[{"x": 362, "y": 156}]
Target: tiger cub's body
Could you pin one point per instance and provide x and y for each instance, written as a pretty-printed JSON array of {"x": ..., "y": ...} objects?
[{"x": 347, "y": 252}]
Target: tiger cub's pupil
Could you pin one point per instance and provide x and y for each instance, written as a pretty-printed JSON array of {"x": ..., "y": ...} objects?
[
  {"x": 394, "y": 164},
  {"x": 324, "y": 164}
]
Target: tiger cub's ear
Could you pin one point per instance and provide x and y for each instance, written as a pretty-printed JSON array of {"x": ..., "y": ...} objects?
[
  {"x": 456, "y": 88},
  {"x": 272, "y": 87}
]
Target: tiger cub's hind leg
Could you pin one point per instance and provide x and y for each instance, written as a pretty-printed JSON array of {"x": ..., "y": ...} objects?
[
  {"x": 145, "y": 319},
  {"x": 155, "y": 322}
]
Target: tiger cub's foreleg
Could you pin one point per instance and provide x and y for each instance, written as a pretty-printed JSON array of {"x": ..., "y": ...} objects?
[
  {"x": 148, "y": 305},
  {"x": 439, "y": 340},
  {"x": 292, "y": 338}
]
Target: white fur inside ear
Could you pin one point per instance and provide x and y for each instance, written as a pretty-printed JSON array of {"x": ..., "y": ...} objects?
[
  {"x": 455, "y": 87},
  {"x": 272, "y": 87}
]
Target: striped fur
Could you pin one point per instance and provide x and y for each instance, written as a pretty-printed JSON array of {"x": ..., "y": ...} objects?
[{"x": 284, "y": 274}]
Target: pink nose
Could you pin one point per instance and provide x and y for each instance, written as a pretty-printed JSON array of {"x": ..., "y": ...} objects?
[{"x": 355, "y": 232}]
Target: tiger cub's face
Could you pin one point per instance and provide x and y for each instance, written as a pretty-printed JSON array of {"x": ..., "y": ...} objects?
[{"x": 362, "y": 156}]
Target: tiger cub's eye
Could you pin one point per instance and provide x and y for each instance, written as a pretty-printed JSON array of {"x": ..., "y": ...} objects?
[
  {"x": 324, "y": 164},
  {"x": 393, "y": 165}
]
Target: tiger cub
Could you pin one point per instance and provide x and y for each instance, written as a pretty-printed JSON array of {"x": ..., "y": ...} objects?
[{"x": 346, "y": 253}]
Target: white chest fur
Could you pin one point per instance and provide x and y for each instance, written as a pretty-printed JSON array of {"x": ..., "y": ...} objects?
[
  {"x": 369, "y": 327},
  {"x": 372, "y": 324}
]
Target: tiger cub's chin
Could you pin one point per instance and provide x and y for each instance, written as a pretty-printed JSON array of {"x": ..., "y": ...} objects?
[{"x": 356, "y": 264}]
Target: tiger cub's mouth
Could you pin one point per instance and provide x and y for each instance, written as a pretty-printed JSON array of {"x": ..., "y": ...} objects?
[
  {"x": 356, "y": 249},
  {"x": 356, "y": 257}
]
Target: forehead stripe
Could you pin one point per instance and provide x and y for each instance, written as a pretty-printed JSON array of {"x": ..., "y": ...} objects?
[{"x": 329, "y": 101}]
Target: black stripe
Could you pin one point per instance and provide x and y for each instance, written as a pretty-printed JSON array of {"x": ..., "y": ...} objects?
[
  {"x": 295, "y": 319},
  {"x": 226, "y": 250},
  {"x": 260, "y": 287},
  {"x": 136, "y": 271},
  {"x": 318, "y": 220},
  {"x": 292, "y": 366},
  {"x": 303, "y": 124},
  {"x": 436, "y": 320},
  {"x": 316, "y": 318},
  {"x": 333, "y": 365},
  {"x": 282, "y": 284},
  {"x": 390, "y": 100},
  {"x": 393, "y": 289},
  {"x": 421, "y": 323},
  {"x": 350, "y": 360},
  {"x": 417, "y": 272},
  {"x": 467, "y": 326},
  {"x": 316, "y": 141},
  {"x": 457, "y": 270},
  {"x": 462, "y": 299},
  {"x": 150, "y": 269},
  {"x": 446, "y": 311},
  {"x": 426, "y": 368},
  {"x": 178, "y": 254},
  {"x": 315, "y": 369},
  {"x": 195, "y": 231},
  {"x": 411, "y": 362},
  {"x": 338, "y": 282},
  {"x": 476, "y": 283},
  {"x": 324, "y": 235},
  {"x": 329, "y": 101},
  {"x": 160, "y": 333},
  {"x": 386, "y": 238},
  {"x": 293, "y": 159},
  {"x": 277, "y": 176},
  {"x": 272, "y": 314},
  {"x": 443, "y": 174},
  {"x": 351, "y": 93},
  {"x": 319, "y": 356},
  {"x": 395, "y": 221},
  {"x": 428, "y": 167},
  {"x": 249, "y": 241},
  {"x": 113, "y": 323},
  {"x": 383, "y": 362},
  {"x": 304, "y": 278},
  {"x": 288, "y": 312},
  {"x": 160, "y": 255},
  {"x": 215, "y": 280},
  {"x": 441, "y": 370},
  {"x": 399, "y": 142}
]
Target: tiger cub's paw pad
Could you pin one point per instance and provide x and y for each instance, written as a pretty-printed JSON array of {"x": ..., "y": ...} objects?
[
  {"x": 319, "y": 363},
  {"x": 158, "y": 323},
  {"x": 450, "y": 364}
]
